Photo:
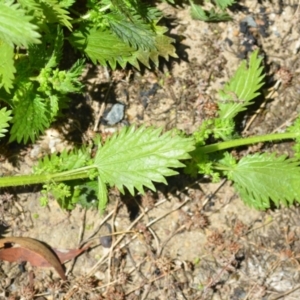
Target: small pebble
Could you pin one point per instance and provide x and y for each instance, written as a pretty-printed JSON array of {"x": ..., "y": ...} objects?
[
  {"x": 106, "y": 240},
  {"x": 116, "y": 114}
]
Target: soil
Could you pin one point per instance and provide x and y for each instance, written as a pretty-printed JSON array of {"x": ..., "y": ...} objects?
[{"x": 192, "y": 239}]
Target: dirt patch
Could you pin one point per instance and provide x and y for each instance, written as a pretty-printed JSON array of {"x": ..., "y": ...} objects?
[{"x": 191, "y": 239}]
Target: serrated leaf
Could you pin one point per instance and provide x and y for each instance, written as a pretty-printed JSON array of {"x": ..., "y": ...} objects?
[
  {"x": 53, "y": 48},
  {"x": 46, "y": 55},
  {"x": 54, "y": 12},
  {"x": 66, "y": 160},
  {"x": 164, "y": 47},
  {"x": 263, "y": 177},
  {"x": 134, "y": 33},
  {"x": 30, "y": 116},
  {"x": 15, "y": 26},
  {"x": 242, "y": 88},
  {"x": 66, "y": 3},
  {"x": 198, "y": 13},
  {"x": 104, "y": 47},
  {"x": 7, "y": 68},
  {"x": 66, "y": 82},
  {"x": 137, "y": 158},
  {"x": 5, "y": 117},
  {"x": 101, "y": 46},
  {"x": 29, "y": 5}
]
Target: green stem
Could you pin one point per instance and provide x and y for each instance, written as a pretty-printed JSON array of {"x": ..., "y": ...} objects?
[
  {"x": 80, "y": 173},
  {"x": 85, "y": 172},
  {"x": 247, "y": 141}
]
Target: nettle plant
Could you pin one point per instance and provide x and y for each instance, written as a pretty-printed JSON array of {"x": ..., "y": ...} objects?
[
  {"x": 33, "y": 36},
  {"x": 135, "y": 158},
  {"x": 34, "y": 89}
]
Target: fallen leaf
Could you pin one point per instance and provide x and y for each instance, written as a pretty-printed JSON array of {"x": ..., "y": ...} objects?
[
  {"x": 18, "y": 254},
  {"x": 31, "y": 250}
]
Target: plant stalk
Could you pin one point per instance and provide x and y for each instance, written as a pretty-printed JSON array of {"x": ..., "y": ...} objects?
[
  {"x": 80, "y": 173},
  {"x": 249, "y": 140},
  {"x": 85, "y": 172}
]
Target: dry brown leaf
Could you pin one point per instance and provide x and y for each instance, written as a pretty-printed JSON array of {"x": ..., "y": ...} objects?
[{"x": 31, "y": 250}]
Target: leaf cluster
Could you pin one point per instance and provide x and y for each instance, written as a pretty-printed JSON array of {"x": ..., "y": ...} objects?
[
  {"x": 34, "y": 35},
  {"x": 259, "y": 178},
  {"x": 131, "y": 160},
  {"x": 212, "y": 15},
  {"x": 234, "y": 98}
]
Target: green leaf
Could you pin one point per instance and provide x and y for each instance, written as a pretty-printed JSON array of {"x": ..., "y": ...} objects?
[
  {"x": 66, "y": 160},
  {"x": 4, "y": 119},
  {"x": 67, "y": 81},
  {"x": 30, "y": 115},
  {"x": 137, "y": 158},
  {"x": 242, "y": 88},
  {"x": 101, "y": 46},
  {"x": 105, "y": 47},
  {"x": 85, "y": 194},
  {"x": 77, "y": 190},
  {"x": 198, "y": 13},
  {"x": 53, "y": 48},
  {"x": 224, "y": 3},
  {"x": 135, "y": 33},
  {"x": 66, "y": 3},
  {"x": 7, "y": 68},
  {"x": 54, "y": 12},
  {"x": 260, "y": 178},
  {"x": 15, "y": 26},
  {"x": 296, "y": 128},
  {"x": 164, "y": 47}
]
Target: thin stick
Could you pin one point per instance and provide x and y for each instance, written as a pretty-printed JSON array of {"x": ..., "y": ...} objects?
[
  {"x": 109, "y": 269},
  {"x": 103, "y": 258},
  {"x": 80, "y": 236}
]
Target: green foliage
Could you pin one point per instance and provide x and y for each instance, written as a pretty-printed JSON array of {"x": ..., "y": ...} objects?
[
  {"x": 30, "y": 115},
  {"x": 34, "y": 88},
  {"x": 113, "y": 50},
  {"x": 242, "y": 88},
  {"x": 15, "y": 25},
  {"x": 34, "y": 35},
  {"x": 198, "y": 13},
  {"x": 212, "y": 15},
  {"x": 7, "y": 68},
  {"x": 133, "y": 32},
  {"x": 67, "y": 160},
  {"x": 235, "y": 97},
  {"x": 4, "y": 119},
  {"x": 224, "y": 3},
  {"x": 136, "y": 158},
  {"x": 77, "y": 191},
  {"x": 131, "y": 159},
  {"x": 295, "y": 128},
  {"x": 122, "y": 44},
  {"x": 261, "y": 177},
  {"x": 122, "y": 32}
]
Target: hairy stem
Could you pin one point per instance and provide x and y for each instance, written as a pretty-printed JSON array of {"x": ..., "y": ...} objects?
[
  {"x": 80, "y": 173},
  {"x": 85, "y": 172},
  {"x": 250, "y": 140}
]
